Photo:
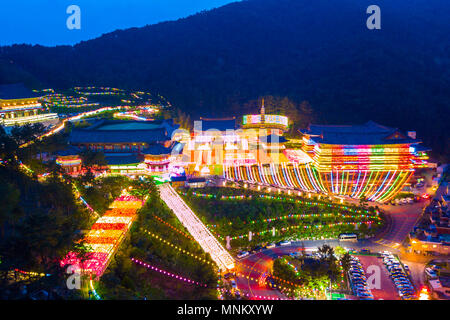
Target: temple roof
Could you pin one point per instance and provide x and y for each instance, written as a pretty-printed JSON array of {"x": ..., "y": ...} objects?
[
  {"x": 369, "y": 133},
  {"x": 116, "y": 131},
  {"x": 156, "y": 149},
  {"x": 273, "y": 138},
  {"x": 218, "y": 124},
  {"x": 16, "y": 91},
  {"x": 69, "y": 151},
  {"x": 147, "y": 136},
  {"x": 123, "y": 159}
]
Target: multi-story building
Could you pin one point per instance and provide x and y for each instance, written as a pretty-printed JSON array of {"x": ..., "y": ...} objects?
[
  {"x": 369, "y": 160},
  {"x": 18, "y": 106},
  {"x": 130, "y": 147}
]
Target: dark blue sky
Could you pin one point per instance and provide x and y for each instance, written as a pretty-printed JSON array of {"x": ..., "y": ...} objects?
[{"x": 44, "y": 21}]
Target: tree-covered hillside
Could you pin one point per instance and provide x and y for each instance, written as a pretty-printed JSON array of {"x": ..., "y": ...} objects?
[{"x": 214, "y": 62}]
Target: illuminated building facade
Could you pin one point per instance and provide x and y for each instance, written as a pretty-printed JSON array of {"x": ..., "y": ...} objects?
[
  {"x": 18, "y": 106},
  {"x": 367, "y": 160},
  {"x": 270, "y": 123},
  {"x": 215, "y": 142},
  {"x": 130, "y": 147},
  {"x": 218, "y": 143}
]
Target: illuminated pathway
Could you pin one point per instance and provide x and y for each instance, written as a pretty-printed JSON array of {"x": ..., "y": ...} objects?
[
  {"x": 106, "y": 235},
  {"x": 196, "y": 228},
  {"x": 77, "y": 117}
]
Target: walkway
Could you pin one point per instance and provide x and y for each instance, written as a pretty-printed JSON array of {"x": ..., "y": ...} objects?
[
  {"x": 196, "y": 228},
  {"x": 106, "y": 235}
]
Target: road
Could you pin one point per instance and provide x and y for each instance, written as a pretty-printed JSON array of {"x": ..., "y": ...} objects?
[{"x": 401, "y": 221}]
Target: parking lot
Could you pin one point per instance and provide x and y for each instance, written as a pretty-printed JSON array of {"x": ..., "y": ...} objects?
[{"x": 387, "y": 289}]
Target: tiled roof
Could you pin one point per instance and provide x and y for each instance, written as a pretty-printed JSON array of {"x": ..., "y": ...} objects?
[
  {"x": 118, "y": 136},
  {"x": 273, "y": 138},
  {"x": 156, "y": 149},
  {"x": 69, "y": 151},
  {"x": 123, "y": 159},
  {"x": 130, "y": 125},
  {"x": 370, "y": 133},
  {"x": 16, "y": 91},
  {"x": 218, "y": 124}
]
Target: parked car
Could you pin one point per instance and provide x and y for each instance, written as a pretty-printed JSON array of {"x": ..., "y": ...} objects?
[
  {"x": 271, "y": 245},
  {"x": 430, "y": 272},
  {"x": 257, "y": 249},
  {"x": 285, "y": 243},
  {"x": 407, "y": 269},
  {"x": 242, "y": 254},
  {"x": 228, "y": 275}
]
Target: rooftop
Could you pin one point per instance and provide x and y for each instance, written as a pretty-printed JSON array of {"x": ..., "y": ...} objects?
[
  {"x": 157, "y": 149},
  {"x": 116, "y": 131},
  {"x": 121, "y": 159},
  {"x": 273, "y": 138},
  {"x": 217, "y": 124},
  {"x": 369, "y": 133}
]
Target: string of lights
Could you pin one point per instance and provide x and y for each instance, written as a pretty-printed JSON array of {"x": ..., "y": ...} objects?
[
  {"x": 93, "y": 291},
  {"x": 303, "y": 216},
  {"x": 256, "y": 297},
  {"x": 321, "y": 178},
  {"x": 279, "y": 198},
  {"x": 169, "y": 274},
  {"x": 172, "y": 227},
  {"x": 316, "y": 226},
  {"x": 177, "y": 247}
]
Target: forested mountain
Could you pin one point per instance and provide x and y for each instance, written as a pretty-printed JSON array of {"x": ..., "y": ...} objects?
[{"x": 320, "y": 51}]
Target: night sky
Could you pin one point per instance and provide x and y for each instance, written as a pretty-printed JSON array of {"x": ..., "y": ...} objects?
[{"x": 44, "y": 21}]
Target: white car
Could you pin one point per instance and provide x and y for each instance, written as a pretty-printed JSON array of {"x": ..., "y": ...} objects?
[
  {"x": 430, "y": 272},
  {"x": 242, "y": 254},
  {"x": 285, "y": 243}
]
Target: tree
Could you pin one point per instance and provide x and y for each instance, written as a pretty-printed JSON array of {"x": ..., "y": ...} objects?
[
  {"x": 363, "y": 202},
  {"x": 8, "y": 148},
  {"x": 91, "y": 159},
  {"x": 326, "y": 254},
  {"x": 340, "y": 251},
  {"x": 345, "y": 262},
  {"x": 7, "y": 210},
  {"x": 143, "y": 187},
  {"x": 299, "y": 115}
]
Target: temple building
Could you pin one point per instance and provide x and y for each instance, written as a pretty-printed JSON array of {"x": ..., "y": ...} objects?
[
  {"x": 369, "y": 160},
  {"x": 215, "y": 142},
  {"x": 130, "y": 147},
  {"x": 264, "y": 124},
  {"x": 18, "y": 106}
]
